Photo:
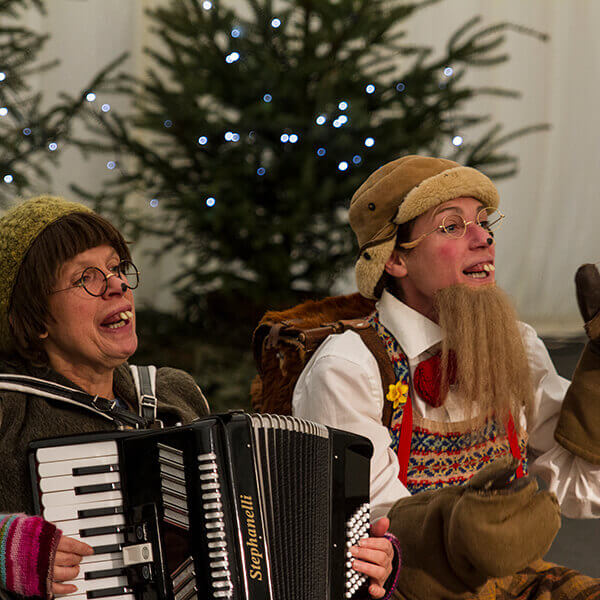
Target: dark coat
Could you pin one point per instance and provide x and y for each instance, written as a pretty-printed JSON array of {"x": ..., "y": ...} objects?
[{"x": 25, "y": 418}]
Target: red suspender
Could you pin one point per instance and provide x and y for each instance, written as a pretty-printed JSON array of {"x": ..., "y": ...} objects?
[
  {"x": 405, "y": 440},
  {"x": 514, "y": 445}
]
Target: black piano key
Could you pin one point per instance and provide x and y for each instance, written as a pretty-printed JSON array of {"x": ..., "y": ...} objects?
[
  {"x": 97, "y": 488},
  {"x": 116, "y": 591},
  {"x": 99, "y": 512},
  {"x": 95, "y": 470},
  {"x": 105, "y": 573},
  {"x": 91, "y": 531},
  {"x": 108, "y": 548}
]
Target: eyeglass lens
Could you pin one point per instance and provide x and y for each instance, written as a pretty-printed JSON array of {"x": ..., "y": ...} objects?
[
  {"x": 95, "y": 282},
  {"x": 487, "y": 218}
]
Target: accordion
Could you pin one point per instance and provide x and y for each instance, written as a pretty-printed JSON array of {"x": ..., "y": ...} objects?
[{"x": 246, "y": 507}]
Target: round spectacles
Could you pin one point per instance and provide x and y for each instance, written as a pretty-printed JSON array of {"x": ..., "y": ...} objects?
[
  {"x": 455, "y": 226},
  {"x": 95, "y": 281}
]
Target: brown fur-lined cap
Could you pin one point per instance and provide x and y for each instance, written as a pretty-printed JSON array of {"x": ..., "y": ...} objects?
[{"x": 399, "y": 192}]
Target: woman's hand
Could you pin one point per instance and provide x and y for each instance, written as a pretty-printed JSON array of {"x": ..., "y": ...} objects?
[
  {"x": 69, "y": 553},
  {"x": 374, "y": 557}
]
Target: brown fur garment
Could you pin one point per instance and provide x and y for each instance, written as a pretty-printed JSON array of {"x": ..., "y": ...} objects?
[{"x": 280, "y": 359}]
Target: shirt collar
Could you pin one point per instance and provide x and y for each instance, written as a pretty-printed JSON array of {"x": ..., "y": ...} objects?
[{"x": 414, "y": 332}]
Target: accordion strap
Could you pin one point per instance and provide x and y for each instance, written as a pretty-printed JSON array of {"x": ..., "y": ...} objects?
[
  {"x": 55, "y": 391},
  {"x": 144, "y": 379}
]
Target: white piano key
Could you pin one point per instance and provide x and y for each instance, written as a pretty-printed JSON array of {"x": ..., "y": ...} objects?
[
  {"x": 68, "y": 497},
  {"x": 90, "y": 449},
  {"x": 65, "y": 467},
  {"x": 85, "y": 585},
  {"x": 57, "y": 514},
  {"x": 97, "y": 558},
  {"x": 68, "y": 482},
  {"x": 74, "y": 526},
  {"x": 102, "y": 540},
  {"x": 78, "y": 596},
  {"x": 102, "y": 565}
]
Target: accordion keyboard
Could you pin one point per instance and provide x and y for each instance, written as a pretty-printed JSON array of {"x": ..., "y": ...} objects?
[{"x": 80, "y": 491}]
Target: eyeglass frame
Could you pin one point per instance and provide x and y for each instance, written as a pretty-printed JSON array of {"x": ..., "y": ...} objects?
[
  {"x": 80, "y": 283},
  {"x": 415, "y": 243}
]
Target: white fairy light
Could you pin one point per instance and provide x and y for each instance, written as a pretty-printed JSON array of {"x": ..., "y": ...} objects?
[
  {"x": 210, "y": 202},
  {"x": 457, "y": 140},
  {"x": 105, "y": 107},
  {"x": 448, "y": 71},
  {"x": 284, "y": 138},
  {"x": 3, "y": 111},
  {"x": 111, "y": 164},
  {"x": 369, "y": 142},
  {"x": 233, "y": 57},
  {"x": 8, "y": 178},
  {"x": 203, "y": 140},
  {"x": 2, "y": 76},
  {"x": 343, "y": 166},
  {"x": 207, "y": 5},
  {"x": 154, "y": 202},
  {"x": 293, "y": 138},
  {"x": 52, "y": 146},
  {"x": 275, "y": 23},
  {"x": 343, "y": 105},
  {"x": 370, "y": 88},
  {"x": 90, "y": 96},
  {"x": 321, "y": 120}
]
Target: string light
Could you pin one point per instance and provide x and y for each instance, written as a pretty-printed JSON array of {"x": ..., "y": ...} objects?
[
  {"x": 260, "y": 171},
  {"x": 284, "y": 138},
  {"x": 369, "y": 142},
  {"x": 321, "y": 152},
  {"x": 293, "y": 138},
  {"x": 343, "y": 119},
  {"x": 457, "y": 140},
  {"x": 235, "y": 32},
  {"x": 2, "y": 76},
  {"x": 357, "y": 159},
  {"x": 111, "y": 164},
  {"x": 105, "y": 107},
  {"x": 154, "y": 202},
  {"x": 400, "y": 87},
  {"x": 343, "y": 166},
  {"x": 8, "y": 178},
  {"x": 26, "y": 131},
  {"x": 207, "y": 5},
  {"x": 370, "y": 88},
  {"x": 233, "y": 57},
  {"x": 203, "y": 140},
  {"x": 235, "y": 137},
  {"x": 343, "y": 105},
  {"x": 448, "y": 71},
  {"x": 52, "y": 146},
  {"x": 168, "y": 123},
  {"x": 321, "y": 120},
  {"x": 210, "y": 202},
  {"x": 337, "y": 123},
  {"x": 3, "y": 111},
  {"x": 275, "y": 23},
  {"x": 267, "y": 98},
  {"x": 90, "y": 96}
]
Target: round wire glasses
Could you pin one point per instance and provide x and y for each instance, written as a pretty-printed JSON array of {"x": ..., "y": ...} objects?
[
  {"x": 455, "y": 226},
  {"x": 95, "y": 281}
]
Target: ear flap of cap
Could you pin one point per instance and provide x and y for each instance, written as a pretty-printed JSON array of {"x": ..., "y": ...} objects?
[{"x": 370, "y": 267}]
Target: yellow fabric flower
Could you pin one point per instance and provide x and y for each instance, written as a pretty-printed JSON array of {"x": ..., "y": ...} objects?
[{"x": 398, "y": 394}]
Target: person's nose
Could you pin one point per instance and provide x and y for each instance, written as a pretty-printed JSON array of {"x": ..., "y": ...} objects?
[
  {"x": 115, "y": 285},
  {"x": 479, "y": 237}
]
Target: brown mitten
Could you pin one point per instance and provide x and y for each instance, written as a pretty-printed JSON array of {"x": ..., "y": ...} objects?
[
  {"x": 578, "y": 428},
  {"x": 454, "y": 539}
]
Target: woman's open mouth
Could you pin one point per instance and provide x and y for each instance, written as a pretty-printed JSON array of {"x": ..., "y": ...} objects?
[
  {"x": 118, "y": 320},
  {"x": 480, "y": 271}
]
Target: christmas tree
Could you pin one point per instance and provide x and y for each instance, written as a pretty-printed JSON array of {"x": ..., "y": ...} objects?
[
  {"x": 252, "y": 130},
  {"x": 31, "y": 132}
]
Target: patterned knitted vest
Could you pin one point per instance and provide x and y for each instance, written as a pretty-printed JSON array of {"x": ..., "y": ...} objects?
[{"x": 441, "y": 454}]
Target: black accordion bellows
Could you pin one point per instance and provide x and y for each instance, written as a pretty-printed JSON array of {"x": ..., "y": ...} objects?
[{"x": 233, "y": 506}]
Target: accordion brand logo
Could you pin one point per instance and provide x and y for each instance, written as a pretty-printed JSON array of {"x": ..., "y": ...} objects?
[{"x": 255, "y": 555}]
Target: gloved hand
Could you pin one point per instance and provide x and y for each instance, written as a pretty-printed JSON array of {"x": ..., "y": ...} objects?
[
  {"x": 456, "y": 538},
  {"x": 578, "y": 428},
  {"x": 587, "y": 285}
]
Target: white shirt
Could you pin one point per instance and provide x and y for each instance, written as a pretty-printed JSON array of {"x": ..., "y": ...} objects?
[{"x": 341, "y": 387}]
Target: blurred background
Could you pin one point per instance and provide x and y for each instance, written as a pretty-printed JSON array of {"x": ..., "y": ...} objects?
[{"x": 226, "y": 139}]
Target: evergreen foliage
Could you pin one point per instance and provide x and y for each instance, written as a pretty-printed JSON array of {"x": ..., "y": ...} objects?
[
  {"x": 30, "y": 131},
  {"x": 259, "y": 221}
]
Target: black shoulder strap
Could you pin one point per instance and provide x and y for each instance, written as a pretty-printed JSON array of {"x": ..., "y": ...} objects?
[
  {"x": 55, "y": 391},
  {"x": 144, "y": 379}
]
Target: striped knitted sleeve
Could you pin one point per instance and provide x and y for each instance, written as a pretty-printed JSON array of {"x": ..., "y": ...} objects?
[{"x": 27, "y": 550}]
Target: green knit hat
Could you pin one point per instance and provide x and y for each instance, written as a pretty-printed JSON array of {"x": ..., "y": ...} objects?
[{"x": 19, "y": 228}]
